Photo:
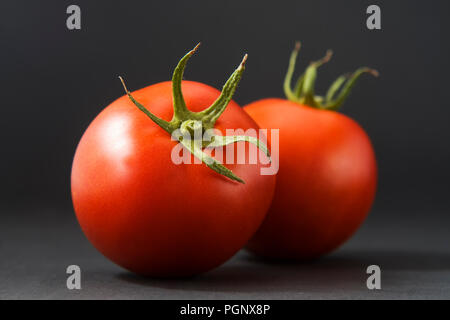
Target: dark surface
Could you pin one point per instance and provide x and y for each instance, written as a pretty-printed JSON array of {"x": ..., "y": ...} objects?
[{"x": 414, "y": 257}]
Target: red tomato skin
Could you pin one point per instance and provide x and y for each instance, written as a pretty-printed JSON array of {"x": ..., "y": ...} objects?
[
  {"x": 149, "y": 215},
  {"x": 326, "y": 181}
]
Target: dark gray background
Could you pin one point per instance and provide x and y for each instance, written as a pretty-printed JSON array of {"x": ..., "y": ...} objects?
[{"x": 55, "y": 81}]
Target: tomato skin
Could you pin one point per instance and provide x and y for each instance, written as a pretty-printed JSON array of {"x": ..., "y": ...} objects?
[
  {"x": 326, "y": 181},
  {"x": 149, "y": 215}
]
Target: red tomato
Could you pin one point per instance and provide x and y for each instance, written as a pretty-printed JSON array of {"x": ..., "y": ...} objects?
[
  {"x": 325, "y": 183},
  {"x": 326, "y": 180},
  {"x": 150, "y": 215}
]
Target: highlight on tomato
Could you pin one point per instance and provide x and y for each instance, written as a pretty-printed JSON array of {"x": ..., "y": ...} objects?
[
  {"x": 327, "y": 169},
  {"x": 155, "y": 217}
]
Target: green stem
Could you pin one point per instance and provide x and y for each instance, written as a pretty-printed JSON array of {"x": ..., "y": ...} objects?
[
  {"x": 210, "y": 115},
  {"x": 347, "y": 88},
  {"x": 212, "y": 163},
  {"x": 290, "y": 72},
  {"x": 308, "y": 95},
  {"x": 299, "y": 86},
  {"x": 167, "y": 126},
  {"x": 180, "y": 111},
  {"x": 304, "y": 91},
  {"x": 219, "y": 141},
  {"x": 335, "y": 86},
  {"x": 189, "y": 122}
]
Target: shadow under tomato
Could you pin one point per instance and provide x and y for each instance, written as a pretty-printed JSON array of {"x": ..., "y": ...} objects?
[{"x": 341, "y": 271}]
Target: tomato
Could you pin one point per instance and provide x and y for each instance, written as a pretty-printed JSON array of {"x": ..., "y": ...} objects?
[
  {"x": 327, "y": 171},
  {"x": 152, "y": 216}
]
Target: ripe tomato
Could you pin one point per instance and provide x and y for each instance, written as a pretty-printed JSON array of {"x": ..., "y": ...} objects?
[
  {"x": 150, "y": 215},
  {"x": 327, "y": 171}
]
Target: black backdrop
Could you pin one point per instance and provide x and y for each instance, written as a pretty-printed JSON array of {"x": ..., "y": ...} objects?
[{"x": 55, "y": 81}]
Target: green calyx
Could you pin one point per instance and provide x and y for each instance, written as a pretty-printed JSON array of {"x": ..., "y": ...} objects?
[
  {"x": 189, "y": 127},
  {"x": 303, "y": 91}
]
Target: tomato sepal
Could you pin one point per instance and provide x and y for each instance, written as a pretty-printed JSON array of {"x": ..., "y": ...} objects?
[
  {"x": 188, "y": 121},
  {"x": 304, "y": 93}
]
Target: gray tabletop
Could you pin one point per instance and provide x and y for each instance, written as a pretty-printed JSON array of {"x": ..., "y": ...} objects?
[{"x": 412, "y": 250}]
